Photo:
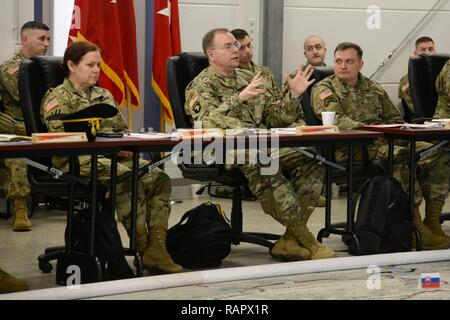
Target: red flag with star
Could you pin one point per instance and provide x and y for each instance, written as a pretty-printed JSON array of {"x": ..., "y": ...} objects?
[
  {"x": 166, "y": 43},
  {"x": 111, "y": 25}
]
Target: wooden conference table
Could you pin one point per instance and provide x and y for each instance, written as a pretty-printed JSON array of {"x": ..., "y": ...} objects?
[
  {"x": 112, "y": 146},
  {"x": 348, "y": 138},
  {"x": 32, "y": 151}
]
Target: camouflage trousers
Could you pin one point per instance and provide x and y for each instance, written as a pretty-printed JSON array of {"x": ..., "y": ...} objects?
[
  {"x": 291, "y": 194},
  {"x": 432, "y": 175},
  {"x": 154, "y": 192},
  {"x": 15, "y": 180}
]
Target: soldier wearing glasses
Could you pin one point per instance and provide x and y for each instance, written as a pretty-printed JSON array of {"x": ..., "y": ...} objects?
[{"x": 225, "y": 96}]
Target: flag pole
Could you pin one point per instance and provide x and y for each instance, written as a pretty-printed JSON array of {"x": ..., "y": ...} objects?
[{"x": 129, "y": 113}]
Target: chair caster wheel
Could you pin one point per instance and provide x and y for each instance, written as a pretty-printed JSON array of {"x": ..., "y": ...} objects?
[
  {"x": 353, "y": 245},
  {"x": 45, "y": 267}
]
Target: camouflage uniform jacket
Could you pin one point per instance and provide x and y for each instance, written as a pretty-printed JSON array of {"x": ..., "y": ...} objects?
[
  {"x": 268, "y": 78},
  {"x": 214, "y": 99},
  {"x": 443, "y": 91},
  {"x": 365, "y": 103},
  {"x": 11, "y": 120},
  {"x": 66, "y": 99},
  {"x": 9, "y": 86},
  {"x": 404, "y": 93}
]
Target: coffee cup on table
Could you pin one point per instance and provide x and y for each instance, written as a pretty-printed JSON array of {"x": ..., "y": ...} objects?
[{"x": 328, "y": 118}]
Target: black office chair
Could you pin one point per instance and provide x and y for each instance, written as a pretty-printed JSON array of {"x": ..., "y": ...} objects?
[
  {"x": 319, "y": 73},
  {"x": 36, "y": 76},
  {"x": 423, "y": 72},
  {"x": 181, "y": 69}
]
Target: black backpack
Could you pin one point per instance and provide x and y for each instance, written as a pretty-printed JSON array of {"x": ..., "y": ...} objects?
[
  {"x": 107, "y": 248},
  {"x": 202, "y": 238},
  {"x": 383, "y": 221}
]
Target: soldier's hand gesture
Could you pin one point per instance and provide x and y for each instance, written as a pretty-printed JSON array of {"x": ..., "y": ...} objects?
[
  {"x": 301, "y": 82},
  {"x": 254, "y": 89}
]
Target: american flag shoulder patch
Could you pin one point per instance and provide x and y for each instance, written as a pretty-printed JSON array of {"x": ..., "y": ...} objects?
[
  {"x": 325, "y": 94},
  {"x": 51, "y": 105}
]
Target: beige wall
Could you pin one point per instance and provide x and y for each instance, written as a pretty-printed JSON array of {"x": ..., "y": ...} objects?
[
  {"x": 199, "y": 16},
  {"x": 334, "y": 20},
  {"x": 13, "y": 14},
  {"x": 338, "y": 21}
]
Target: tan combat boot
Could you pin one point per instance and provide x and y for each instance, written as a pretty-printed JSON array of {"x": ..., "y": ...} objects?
[
  {"x": 141, "y": 238},
  {"x": 287, "y": 249},
  {"x": 306, "y": 239},
  {"x": 432, "y": 221},
  {"x": 430, "y": 240},
  {"x": 20, "y": 220},
  {"x": 156, "y": 256},
  {"x": 9, "y": 284}
]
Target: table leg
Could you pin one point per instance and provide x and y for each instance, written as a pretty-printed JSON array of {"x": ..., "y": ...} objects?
[
  {"x": 134, "y": 199},
  {"x": 350, "y": 215},
  {"x": 113, "y": 184},
  {"x": 391, "y": 156},
  {"x": 328, "y": 181},
  {"x": 412, "y": 177},
  {"x": 94, "y": 206},
  {"x": 72, "y": 161}
]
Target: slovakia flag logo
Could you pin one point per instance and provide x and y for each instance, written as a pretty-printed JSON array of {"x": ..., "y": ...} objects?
[{"x": 430, "y": 280}]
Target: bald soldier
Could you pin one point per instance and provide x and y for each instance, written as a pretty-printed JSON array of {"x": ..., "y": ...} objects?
[
  {"x": 359, "y": 101},
  {"x": 225, "y": 96},
  {"x": 443, "y": 91},
  {"x": 35, "y": 38},
  {"x": 424, "y": 45},
  {"x": 314, "y": 51}
]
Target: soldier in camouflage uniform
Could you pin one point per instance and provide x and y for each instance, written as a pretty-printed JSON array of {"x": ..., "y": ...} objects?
[
  {"x": 424, "y": 45},
  {"x": 246, "y": 59},
  {"x": 315, "y": 51},
  {"x": 227, "y": 97},
  {"x": 359, "y": 101},
  {"x": 246, "y": 62},
  {"x": 82, "y": 68},
  {"x": 35, "y": 38},
  {"x": 443, "y": 91}
]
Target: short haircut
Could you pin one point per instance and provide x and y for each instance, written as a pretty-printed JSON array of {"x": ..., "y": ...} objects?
[
  {"x": 313, "y": 36},
  {"x": 208, "y": 38},
  {"x": 239, "y": 34},
  {"x": 349, "y": 45},
  {"x": 423, "y": 39},
  {"x": 34, "y": 25},
  {"x": 75, "y": 52}
]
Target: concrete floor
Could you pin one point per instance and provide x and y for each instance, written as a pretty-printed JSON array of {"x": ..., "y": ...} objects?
[{"x": 20, "y": 250}]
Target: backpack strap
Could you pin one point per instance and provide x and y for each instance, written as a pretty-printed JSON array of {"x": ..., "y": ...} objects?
[{"x": 191, "y": 212}]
